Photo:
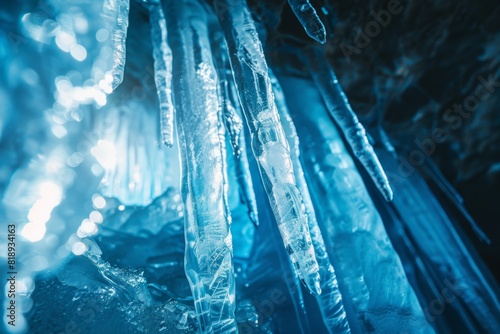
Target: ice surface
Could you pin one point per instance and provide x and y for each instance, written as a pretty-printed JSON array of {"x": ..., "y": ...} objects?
[
  {"x": 344, "y": 116},
  {"x": 375, "y": 290},
  {"x": 330, "y": 300},
  {"x": 204, "y": 190},
  {"x": 163, "y": 72},
  {"x": 268, "y": 139},
  {"x": 232, "y": 115}
]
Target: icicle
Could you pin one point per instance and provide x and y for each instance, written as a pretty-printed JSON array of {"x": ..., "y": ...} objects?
[
  {"x": 234, "y": 124},
  {"x": 268, "y": 139},
  {"x": 330, "y": 300},
  {"x": 307, "y": 16},
  {"x": 374, "y": 284},
  {"x": 115, "y": 13},
  {"x": 207, "y": 222},
  {"x": 338, "y": 106},
  {"x": 163, "y": 72}
]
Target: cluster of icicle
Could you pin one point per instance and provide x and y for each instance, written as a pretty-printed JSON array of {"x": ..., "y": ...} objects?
[{"x": 213, "y": 80}]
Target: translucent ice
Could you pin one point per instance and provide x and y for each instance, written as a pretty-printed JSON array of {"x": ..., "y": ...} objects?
[
  {"x": 115, "y": 13},
  {"x": 309, "y": 19},
  {"x": 208, "y": 238},
  {"x": 344, "y": 116},
  {"x": 330, "y": 300},
  {"x": 375, "y": 290},
  {"x": 268, "y": 139},
  {"x": 163, "y": 72}
]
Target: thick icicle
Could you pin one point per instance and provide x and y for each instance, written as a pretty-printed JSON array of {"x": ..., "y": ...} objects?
[
  {"x": 330, "y": 300},
  {"x": 115, "y": 13},
  {"x": 309, "y": 19},
  {"x": 234, "y": 124},
  {"x": 376, "y": 291},
  {"x": 163, "y": 72},
  {"x": 268, "y": 139},
  {"x": 341, "y": 111},
  {"x": 207, "y": 222}
]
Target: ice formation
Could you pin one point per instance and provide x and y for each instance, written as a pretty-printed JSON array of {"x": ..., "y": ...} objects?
[{"x": 253, "y": 215}]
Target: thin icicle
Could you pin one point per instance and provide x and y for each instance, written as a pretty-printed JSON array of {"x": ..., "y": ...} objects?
[
  {"x": 115, "y": 13},
  {"x": 330, "y": 300},
  {"x": 208, "y": 265},
  {"x": 244, "y": 178},
  {"x": 234, "y": 125},
  {"x": 309, "y": 19},
  {"x": 341, "y": 111},
  {"x": 268, "y": 139},
  {"x": 163, "y": 72}
]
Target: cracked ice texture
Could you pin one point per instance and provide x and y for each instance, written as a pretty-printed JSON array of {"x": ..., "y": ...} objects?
[
  {"x": 267, "y": 137},
  {"x": 330, "y": 300},
  {"x": 208, "y": 239}
]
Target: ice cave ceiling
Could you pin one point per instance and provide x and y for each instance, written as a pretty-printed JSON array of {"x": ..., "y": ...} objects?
[{"x": 268, "y": 210}]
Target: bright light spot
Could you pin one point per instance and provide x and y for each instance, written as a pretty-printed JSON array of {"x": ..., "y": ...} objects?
[
  {"x": 75, "y": 159},
  {"x": 34, "y": 231},
  {"x": 25, "y": 286},
  {"x": 50, "y": 191},
  {"x": 105, "y": 86},
  {"x": 121, "y": 207},
  {"x": 79, "y": 248},
  {"x": 101, "y": 35},
  {"x": 81, "y": 24},
  {"x": 40, "y": 211},
  {"x": 96, "y": 217},
  {"x": 65, "y": 40},
  {"x": 98, "y": 201},
  {"x": 78, "y": 52},
  {"x": 58, "y": 130},
  {"x": 96, "y": 169},
  {"x": 88, "y": 227},
  {"x": 105, "y": 153},
  {"x": 63, "y": 84}
]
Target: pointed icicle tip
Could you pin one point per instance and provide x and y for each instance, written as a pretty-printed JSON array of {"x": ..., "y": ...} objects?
[
  {"x": 387, "y": 193},
  {"x": 309, "y": 19},
  {"x": 313, "y": 284}
]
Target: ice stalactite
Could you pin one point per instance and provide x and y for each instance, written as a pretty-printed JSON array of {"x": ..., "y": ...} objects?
[
  {"x": 459, "y": 280},
  {"x": 232, "y": 114},
  {"x": 341, "y": 111},
  {"x": 330, "y": 300},
  {"x": 208, "y": 262},
  {"x": 116, "y": 14},
  {"x": 268, "y": 138},
  {"x": 375, "y": 290},
  {"x": 309, "y": 19},
  {"x": 163, "y": 72}
]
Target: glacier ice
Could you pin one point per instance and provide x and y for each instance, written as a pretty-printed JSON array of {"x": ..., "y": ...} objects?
[{"x": 255, "y": 219}]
